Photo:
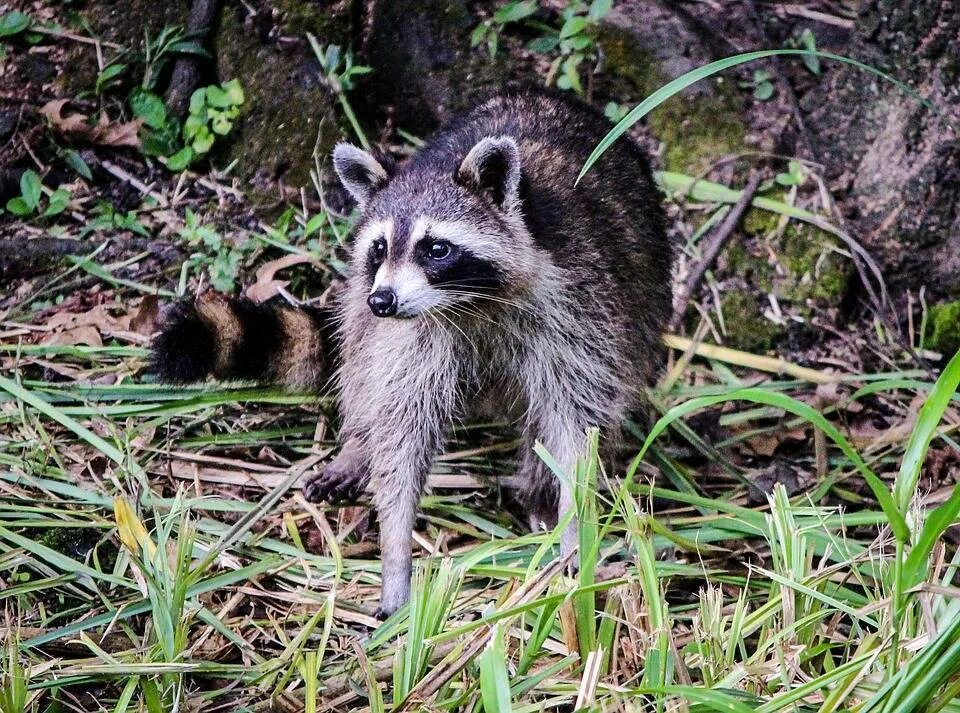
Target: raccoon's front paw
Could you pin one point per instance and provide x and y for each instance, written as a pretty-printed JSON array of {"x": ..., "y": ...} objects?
[{"x": 337, "y": 484}]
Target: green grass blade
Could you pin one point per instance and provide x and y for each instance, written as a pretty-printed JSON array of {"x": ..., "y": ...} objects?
[
  {"x": 791, "y": 405},
  {"x": 930, "y": 415},
  {"x": 494, "y": 681},
  {"x": 695, "y": 75},
  {"x": 63, "y": 419}
]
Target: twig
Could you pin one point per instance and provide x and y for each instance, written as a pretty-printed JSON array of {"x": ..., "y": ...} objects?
[
  {"x": 712, "y": 248},
  {"x": 73, "y": 36},
  {"x": 772, "y": 365},
  {"x": 123, "y": 175}
]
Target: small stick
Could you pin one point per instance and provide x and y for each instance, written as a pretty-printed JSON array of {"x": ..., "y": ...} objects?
[
  {"x": 712, "y": 248},
  {"x": 753, "y": 361},
  {"x": 128, "y": 177}
]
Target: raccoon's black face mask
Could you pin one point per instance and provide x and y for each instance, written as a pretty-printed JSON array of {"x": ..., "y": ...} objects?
[{"x": 436, "y": 233}]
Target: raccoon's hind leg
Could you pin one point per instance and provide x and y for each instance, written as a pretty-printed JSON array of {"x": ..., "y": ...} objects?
[{"x": 343, "y": 479}]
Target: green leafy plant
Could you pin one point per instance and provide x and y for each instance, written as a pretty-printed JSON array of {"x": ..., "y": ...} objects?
[
  {"x": 489, "y": 30},
  {"x": 615, "y": 111},
  {"x": 213, "y": 111},
  {"x": 574, "y": 42},
  {"x": 107, "y": 218},
  {"x": 795, "y": 175},
  {"x": 338, "y": 71},
  {"x": 31, "y": 200},
  {"x": 762, "y": 85},
  {"x": 218, "y": 257},
  {"x": 13, "y": 680},
  {"x": 807, "y": 41},
  {"x": 109, "y": 77},
  {"x": 170, "y": 42}
]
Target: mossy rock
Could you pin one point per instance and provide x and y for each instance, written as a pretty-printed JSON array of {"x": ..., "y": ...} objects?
[
  {"x": 697, "y": 127},
  {"x": 945, "y": 328},
  {"x": 287, "y": 112}
]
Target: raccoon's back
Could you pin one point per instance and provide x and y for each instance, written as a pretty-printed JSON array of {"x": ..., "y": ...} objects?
[{"x": 609, "y": 230}]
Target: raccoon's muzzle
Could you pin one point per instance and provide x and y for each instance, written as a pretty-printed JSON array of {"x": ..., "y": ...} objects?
[{"x": 236, "y": 339}]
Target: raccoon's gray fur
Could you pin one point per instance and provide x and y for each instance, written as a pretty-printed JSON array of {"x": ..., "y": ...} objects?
[
  {"x": 480, "y": 275},
  {"x": 478, "y": 271}
]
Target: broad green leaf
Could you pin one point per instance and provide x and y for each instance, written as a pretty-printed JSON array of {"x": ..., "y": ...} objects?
[
  {"x": 30, "y": 188},
  {"x": 181, "y": 159},
  {"x": 514, "y": 11},
  {"x": 77, "y": 163},
  {"x": 599, "y": 9},
  {"x": 109, "y": 73},
  {"x": 59, "y": 201},
  {"x": 13, "y": 23},
  {"x": 234, "y": 91},
  {"x": 149, "y": 107},
  {"x": 18, "y": 206},
  {"x": 573, "y": 26},
  {"x": 479, "y": 32},
  {"x": 188, "y": 47}
]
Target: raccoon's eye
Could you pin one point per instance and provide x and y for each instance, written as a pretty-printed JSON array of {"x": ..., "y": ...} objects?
[
  {"x": 438, "y": 250},
  {"x": 378, "y": 250}
]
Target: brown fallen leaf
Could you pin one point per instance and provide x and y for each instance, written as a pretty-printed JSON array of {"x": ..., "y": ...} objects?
[
  {"x": 84, "y": 327},
  {"x": 84, "y": 334},
  {"x": 266, "y": 284},
  {"x": 145, "y": 320},
  {"x": 77, "y": 127}
]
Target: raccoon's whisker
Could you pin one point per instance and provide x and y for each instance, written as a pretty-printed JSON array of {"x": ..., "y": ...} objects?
[
  {"x": 489, "y": 298},
  {"x": 457, "y": 327},
  {"x": 460, "y": 309}
]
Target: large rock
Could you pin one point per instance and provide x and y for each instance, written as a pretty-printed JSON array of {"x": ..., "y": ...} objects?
[{"x": 899, "y": 159}]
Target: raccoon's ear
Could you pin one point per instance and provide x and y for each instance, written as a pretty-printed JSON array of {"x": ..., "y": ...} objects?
[
  {"x": 360, "y": 172},
  {"x": 492, "y": 168}
]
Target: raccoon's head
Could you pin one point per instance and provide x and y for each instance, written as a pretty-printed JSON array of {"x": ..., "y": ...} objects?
[{"x": 441, "y": 230}]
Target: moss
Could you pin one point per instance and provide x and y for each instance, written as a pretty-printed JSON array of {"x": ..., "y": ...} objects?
[
  {"x": 945, "y": 325},
  {"x": 815, "y": 271},
  {"x": 809, "y": 268},
  {"x": 297, "y": 17},
  {"x": 74, "y": 542},
  {"x": 695, "y": 130},
  {"x": 286, "y": 109},
  {"x": 747, "y": 328}
]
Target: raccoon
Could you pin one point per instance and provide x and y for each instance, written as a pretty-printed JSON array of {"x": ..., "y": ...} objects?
[{"x": 482, "y": 276}]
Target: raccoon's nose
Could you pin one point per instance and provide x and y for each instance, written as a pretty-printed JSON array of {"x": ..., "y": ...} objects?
[{"x": 383, "y": 303}]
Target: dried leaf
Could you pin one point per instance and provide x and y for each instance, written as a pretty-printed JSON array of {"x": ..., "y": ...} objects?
[
  {"x": 145, "y": 320},
  {"x": 78, "y": 127},
  {"x": 266, "y": 284},
  {"x": 84, "y": 334}
]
